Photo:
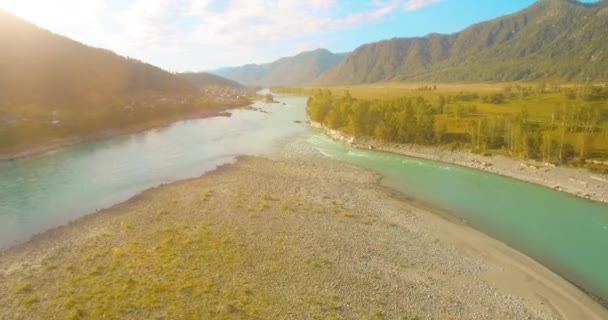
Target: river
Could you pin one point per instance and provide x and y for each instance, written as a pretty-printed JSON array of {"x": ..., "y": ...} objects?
[{"x": 567, "y": 234}]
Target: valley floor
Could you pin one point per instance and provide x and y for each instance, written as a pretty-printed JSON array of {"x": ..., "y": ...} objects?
[
  {"x": 575, "y": 181},
  {"x": 297, "y": 237}
]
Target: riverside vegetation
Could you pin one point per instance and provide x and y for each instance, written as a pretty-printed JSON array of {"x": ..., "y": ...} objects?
[{"x": 550, "y": 123}]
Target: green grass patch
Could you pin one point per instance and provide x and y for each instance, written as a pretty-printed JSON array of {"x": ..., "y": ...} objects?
[
  {"x": 285, "y": 206},
  {"x": 184, "y": 273},
  {"x": 29, "y": 302},
  {"x": 206, "y": 195},
  {"x": 23, "y": 288},
  {"x": 268, "y": 197}
]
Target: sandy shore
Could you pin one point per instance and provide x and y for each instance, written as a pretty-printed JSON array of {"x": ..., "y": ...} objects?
[
  {"x": 297, "y": 237},
  {"x": 575, "y": 181},
  {"x": 108, "y": 133}
]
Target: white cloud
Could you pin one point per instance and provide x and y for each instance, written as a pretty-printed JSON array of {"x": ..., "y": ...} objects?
[
  {"x": 159, "y": 31},
  {"x": 248, "y": 22},
  {"x": 412, "y": 5},
  {"x": 152, "y": 23},
  {"x": 73, "y": 18},
  {"x": 356, "y": 19}
]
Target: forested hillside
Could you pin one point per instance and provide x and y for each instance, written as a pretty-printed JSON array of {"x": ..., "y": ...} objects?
[
  {"x": 568, "y": 125},
  {"x": 44, "y": 68},
  {"x": 290, "y": 71},
  {"x": 561, "y": 40},
  {"x": 53, "y": 88},
  {"x": 205, "y": 79}
]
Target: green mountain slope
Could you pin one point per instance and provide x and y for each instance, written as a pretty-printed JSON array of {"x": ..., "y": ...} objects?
[
  {"x": 560, "y": 40},
  {"x": 289, "y": 71},
  {"x": 53, "y": 90},
  {"x": 47, "y": 69},
  {"x": 205, "y": 79}
]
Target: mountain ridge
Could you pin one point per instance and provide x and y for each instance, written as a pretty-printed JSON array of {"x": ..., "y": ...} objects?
[
  {"x": 204, "y": 79},
  {"x": 293, "y": 70},
  {"x": 61, "y": 70},
  {"x": 551, "y": 39},
  {"x": 54, "y": 90}
]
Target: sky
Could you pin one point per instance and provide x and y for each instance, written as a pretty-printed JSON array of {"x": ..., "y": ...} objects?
[{"x": 196, "y": 35}]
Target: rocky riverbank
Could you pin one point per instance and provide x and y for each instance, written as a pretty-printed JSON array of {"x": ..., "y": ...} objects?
[
  {"x": 575, "y": 181},
  {"x": 298, "y": 237}
]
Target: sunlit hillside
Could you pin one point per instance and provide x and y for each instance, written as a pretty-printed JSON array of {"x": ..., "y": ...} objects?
[
  {"x": 53, "y": 88},
  {"x": 39, "y": 67}
]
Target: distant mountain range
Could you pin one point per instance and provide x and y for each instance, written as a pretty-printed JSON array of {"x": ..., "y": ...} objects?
[
  {"x": 553, "y": 40},
  {"x": 561, "y": 40},
  {"x": 205, "y": 79},
  {"x": 290, "y": 71}
]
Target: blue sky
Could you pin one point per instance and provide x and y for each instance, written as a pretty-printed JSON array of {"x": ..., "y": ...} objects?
[{"x": 194, "y": 35}]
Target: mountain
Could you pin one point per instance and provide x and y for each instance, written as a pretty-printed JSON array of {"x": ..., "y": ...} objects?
[
  {"x": 205, "y": 79},
  {"x": 561, "y": 40},
  {"x": 289, "y": 71},
  {"x": 54, "y": 90},
  {"x": 45, "y": 69}
]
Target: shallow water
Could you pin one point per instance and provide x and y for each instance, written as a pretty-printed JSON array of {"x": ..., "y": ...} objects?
[
  {"x": 567, "y": 234},
  {"x": 48, "y": 190}
]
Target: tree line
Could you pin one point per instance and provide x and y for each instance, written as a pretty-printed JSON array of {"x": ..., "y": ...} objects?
[{"x": 567, "y": 134}]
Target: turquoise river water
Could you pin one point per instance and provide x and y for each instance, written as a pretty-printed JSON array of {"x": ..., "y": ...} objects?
[{"x": 567, "y": 234}]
